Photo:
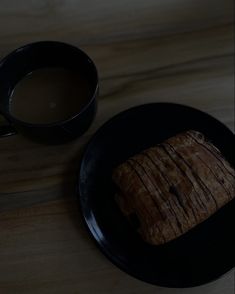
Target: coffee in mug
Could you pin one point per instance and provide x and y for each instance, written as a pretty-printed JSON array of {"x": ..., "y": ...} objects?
[{"x": 49, "y": 95}]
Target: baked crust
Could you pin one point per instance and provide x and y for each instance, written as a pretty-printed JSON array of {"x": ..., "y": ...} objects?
[{"x": 174, "y": 186}]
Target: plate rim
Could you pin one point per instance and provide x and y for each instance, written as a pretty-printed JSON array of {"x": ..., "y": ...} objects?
[{"x": 89, "y": 227}]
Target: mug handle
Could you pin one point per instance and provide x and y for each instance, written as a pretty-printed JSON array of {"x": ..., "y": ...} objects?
[{"x": 6, "y": 129}]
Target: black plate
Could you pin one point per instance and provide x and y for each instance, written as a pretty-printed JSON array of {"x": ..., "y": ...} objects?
[{"x": 201, "y": 255}]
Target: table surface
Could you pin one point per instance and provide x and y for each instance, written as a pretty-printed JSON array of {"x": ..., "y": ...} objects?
[{"x": 173, "y": 50}]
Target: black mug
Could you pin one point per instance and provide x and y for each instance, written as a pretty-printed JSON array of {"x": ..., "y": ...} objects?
[{"x": 28, "y": 58}]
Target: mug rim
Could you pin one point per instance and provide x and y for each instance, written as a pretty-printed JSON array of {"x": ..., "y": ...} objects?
[{"x": 90, "y": 101}]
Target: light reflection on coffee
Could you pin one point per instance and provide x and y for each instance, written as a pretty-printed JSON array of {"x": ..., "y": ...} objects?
[{"x": 49, "y": 95}]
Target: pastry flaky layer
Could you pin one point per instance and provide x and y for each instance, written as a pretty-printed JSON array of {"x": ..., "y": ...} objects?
[{"x": 171, "y": 188}]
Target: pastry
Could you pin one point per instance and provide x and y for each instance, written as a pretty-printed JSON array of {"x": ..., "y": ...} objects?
[{"x": 172, "y": 187}]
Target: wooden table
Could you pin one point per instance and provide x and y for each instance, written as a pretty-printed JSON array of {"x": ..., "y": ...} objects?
[{"x": 146, "y": 51}]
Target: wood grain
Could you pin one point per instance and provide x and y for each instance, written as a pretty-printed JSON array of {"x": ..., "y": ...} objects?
[
  {"x": 180, "y": 51},
  {"x": 45, "y": 249},
  {"x": 102, "y": 21}
]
